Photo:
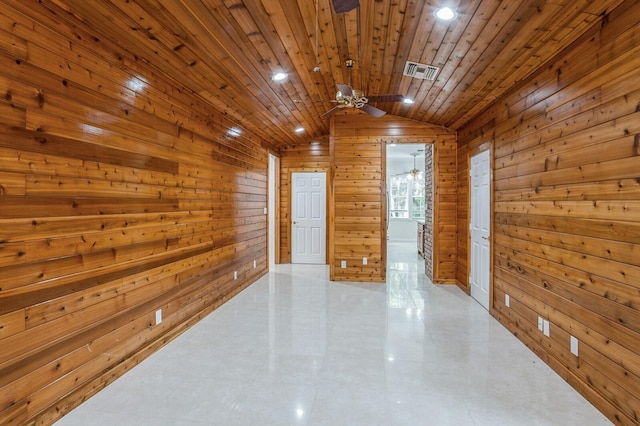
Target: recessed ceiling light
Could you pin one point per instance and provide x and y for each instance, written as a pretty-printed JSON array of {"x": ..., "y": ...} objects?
[
  {"x": 279, "y": 76},
  {"x": 445, "y": 13},
  {"x": 234, "y": 131},
  {"x": 407, "y": 101},
  {"x": 299, "y": 129}
]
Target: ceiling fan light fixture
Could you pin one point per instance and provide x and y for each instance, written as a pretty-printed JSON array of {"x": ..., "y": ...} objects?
[
  {"x": 414, "y": 173},
  {"x": 279, "y": 76},
  {"x": 445, "y": 14},
  {"x": 348, "y": 97}
]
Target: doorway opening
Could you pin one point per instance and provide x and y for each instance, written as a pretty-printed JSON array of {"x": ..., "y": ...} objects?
[
  {"x": 405, "y": 192},
  {"x": 406, "y": 195}
]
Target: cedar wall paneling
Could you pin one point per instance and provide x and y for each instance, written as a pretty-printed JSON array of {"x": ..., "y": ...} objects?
[
  {"x": 357, "y": 199},
  {"x": 308, "y": 157},
  {"x": 566, "y": 200},
  {"x": 119, "y": 196},
  {"x": 445, "y": 200}
]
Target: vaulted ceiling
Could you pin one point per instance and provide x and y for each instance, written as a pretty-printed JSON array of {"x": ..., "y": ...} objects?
[{"x": 227, "y": 50}]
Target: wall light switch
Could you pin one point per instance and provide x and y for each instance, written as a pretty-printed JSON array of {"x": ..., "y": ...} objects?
[
  {"x": 574, "y": 346},
  {"x": 235, "y": 275},
  {"x": 255, "y": 264},
  {"x": 546, "y": 331},
  {"x": 158, "y": 316},
  {"x": 540, "y": 324},
  {"x": 507, "y": 300},
  {"x": 343, "y": 264},
  {"x": 265, "y": 210},
  {"x": 364, "y": 260}
]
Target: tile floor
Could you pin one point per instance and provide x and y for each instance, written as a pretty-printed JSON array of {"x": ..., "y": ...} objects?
[{"x": 296, "y": 349}]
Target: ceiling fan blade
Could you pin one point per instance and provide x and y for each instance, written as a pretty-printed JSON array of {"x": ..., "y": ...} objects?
[
  {"x": 331, "y": 111},
  {"x": 345, "y": 89},
  {"x": 386, "y": 98},
  {"x": 372, "y": 110},
  {"x": 342, "y": 6}
]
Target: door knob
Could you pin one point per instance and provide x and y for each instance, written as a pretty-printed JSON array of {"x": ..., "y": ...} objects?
[
  {"x": 295, "y": 223},
  {"x": 485, "y": 238}
]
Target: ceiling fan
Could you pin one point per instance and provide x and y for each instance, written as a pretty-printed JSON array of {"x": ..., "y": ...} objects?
[
  {"x": 413, "y": 174},
  {"x": 348, "y": 97}
]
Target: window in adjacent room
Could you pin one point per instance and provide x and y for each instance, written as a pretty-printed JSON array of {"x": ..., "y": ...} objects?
[{"x": 407, "y": 197}]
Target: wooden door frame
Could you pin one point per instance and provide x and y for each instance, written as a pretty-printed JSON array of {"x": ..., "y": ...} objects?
[{"x": 385, "y": 194}]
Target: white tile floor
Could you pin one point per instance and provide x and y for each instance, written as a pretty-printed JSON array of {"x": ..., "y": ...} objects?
[{"x": 295, "y": 348}]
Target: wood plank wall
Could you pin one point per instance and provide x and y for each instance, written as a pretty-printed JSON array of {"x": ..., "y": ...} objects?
[
  {"x": 312, "y": 156},
  {"x": 566, "y": 224},
  {"x": 358, "y": 195},
  {"x": 445, "y": 198},
  {"x": 120, "y": 195}
]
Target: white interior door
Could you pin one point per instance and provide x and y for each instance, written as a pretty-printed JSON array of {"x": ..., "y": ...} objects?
[
  {"x": 308, "y": 217},
  {"x": 480, "y": 276}
]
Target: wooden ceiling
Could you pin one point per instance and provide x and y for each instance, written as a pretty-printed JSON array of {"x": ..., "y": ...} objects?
[{"x": 227, "y": 50}]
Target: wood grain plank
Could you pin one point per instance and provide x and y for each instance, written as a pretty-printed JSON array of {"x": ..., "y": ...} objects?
[{"x": 33, "y": 141}]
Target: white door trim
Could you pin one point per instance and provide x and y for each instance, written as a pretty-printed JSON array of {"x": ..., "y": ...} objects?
[{"x": 272, "y": 200}]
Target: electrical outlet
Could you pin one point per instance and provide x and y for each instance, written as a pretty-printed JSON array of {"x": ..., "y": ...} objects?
[
  {"x": 364, "y": 260},
  {"x": 158, "y": 316},
  {"x": 255, "y": 264},
  {"x": 546, "y": 331},
  {"x": 343, "y": 264},
  {"x": 540, "y": 324},
  {"x": 265, "y": 210},
  {"x": 507, "y": 300},
  {"x": 574, "y": 345},
  {"x": 235, "y": 275}
]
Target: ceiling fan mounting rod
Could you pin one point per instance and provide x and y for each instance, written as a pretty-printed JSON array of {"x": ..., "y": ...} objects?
[{"x": 317, "y": 67}]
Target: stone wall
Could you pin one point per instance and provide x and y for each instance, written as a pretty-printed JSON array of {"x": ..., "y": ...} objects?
[{"x": 428, "y": 214}]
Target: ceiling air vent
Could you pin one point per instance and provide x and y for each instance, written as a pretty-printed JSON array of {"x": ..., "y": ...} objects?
[{"x": 420, "y": 71}]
